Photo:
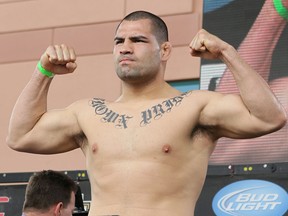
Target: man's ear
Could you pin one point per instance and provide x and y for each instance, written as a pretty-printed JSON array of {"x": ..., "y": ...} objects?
[
  {"x": 58, "y": 209},
  {"x": 166, "y": 49}
]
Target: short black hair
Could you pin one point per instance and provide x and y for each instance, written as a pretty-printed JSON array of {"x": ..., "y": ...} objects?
[
  {"x": 159, "y": 27},
  {"x": 47, "y": 188}
]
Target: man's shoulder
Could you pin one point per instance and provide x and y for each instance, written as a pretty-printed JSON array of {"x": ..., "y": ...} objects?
[
  {"x": 200, "y": 95},
  {"x": 86, "y": 101},
  {"x": 83, "y": 105}
]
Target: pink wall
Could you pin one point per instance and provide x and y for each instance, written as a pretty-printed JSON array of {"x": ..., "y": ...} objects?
[{"x": 27, "y": 27}]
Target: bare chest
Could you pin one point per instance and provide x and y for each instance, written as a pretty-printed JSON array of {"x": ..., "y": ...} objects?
[
  {"x": 123, "y": 117},
  {"x": 159, "y": 129},
  {"x": 156, "y": 142},
  {"x": 143, "y": 148}
]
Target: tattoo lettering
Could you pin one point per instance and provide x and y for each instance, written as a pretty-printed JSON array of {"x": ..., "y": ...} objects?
[
  {"x": 109, "y": 116},
  {"x": 121, "y": 120},
  {"x": 157, "y": 111},
  {"x": 168, "y": 104},
  {"x": 146, "y": 117}
]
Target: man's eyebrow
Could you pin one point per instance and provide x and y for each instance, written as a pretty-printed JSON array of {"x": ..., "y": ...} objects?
[
  {"x": 137, "y": 37},
  {"x": 118, "y": 38}
]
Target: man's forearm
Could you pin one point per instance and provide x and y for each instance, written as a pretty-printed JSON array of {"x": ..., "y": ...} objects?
[
  {"x": 254, "y": 90},
  {"x": 29, "y": 107}
]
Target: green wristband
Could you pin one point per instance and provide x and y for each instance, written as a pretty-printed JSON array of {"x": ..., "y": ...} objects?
[
  {"x": 44, "y": 71},
  {"x": 281, "y": 10}
]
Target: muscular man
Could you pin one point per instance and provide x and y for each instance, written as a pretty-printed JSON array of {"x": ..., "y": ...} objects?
[
  {"x": 49, "y": 193},
  {"x": 147, "y": 152}
]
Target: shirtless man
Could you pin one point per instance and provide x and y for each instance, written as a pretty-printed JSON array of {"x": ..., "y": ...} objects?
[{"x": 147, "y": 152}]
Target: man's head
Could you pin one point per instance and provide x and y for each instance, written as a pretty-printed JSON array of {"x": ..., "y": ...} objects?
[
  {"x": 50, "y": 192},
  {"x": 141, "y": 48},
  {"x": 158, "y": 26}
]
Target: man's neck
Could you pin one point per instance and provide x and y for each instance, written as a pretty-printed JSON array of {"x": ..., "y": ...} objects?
[
  {"x": 36, "y": 213},
  {"x": 134, "y": 94}
]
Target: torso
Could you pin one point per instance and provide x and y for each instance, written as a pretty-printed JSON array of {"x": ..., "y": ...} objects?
[{"x": 146, "y": 160}]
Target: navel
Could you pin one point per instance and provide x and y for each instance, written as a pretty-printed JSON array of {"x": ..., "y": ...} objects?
[{"x": 166, "y": 148}]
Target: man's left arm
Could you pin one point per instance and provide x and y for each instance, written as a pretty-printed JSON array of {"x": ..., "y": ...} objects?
[{"x": 256, "y": 109}]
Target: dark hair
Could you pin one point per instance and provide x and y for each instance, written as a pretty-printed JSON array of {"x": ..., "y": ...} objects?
[
  {"x": 158, "y": 26},
  {"x": 48, "y": 188}
]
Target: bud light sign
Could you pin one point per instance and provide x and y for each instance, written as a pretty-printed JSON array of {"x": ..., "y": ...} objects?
[{"x": 251, "y": 198}]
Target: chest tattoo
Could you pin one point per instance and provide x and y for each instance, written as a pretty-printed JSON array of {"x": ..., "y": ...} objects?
[
  {"x": 109, "y": 116},
  {"x": 146, "y": 116},
  {"x": 158, "y": 110}
]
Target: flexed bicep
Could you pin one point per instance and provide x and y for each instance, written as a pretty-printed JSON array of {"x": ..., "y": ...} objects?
[
  {"x": 229, "y": 116},
  {"x": 54, "y": 132},
  {"x": 32, "y": 128}
]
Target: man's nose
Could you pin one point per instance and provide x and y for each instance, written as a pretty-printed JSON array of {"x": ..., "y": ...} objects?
[{"x": 126, "y": 48}]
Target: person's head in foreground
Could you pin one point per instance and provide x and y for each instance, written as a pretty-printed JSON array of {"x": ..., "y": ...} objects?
[{"x": 49, "y": 193}]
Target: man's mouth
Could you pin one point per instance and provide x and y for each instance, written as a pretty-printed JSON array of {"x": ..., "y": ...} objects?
[{"x": 125, "y": 59}]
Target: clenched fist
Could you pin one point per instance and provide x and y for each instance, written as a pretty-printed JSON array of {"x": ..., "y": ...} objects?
[
  {"x": 59, "y": 59},
  {"x": 208, "y": 46}
]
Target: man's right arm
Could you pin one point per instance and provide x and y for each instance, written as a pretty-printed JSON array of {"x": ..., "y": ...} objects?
[{"x": 34, "y": 129}]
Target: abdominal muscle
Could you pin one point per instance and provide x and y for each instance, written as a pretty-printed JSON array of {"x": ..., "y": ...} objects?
[
  {"x": 140, "y": 188},
  {"x": 145, "y": 187}
]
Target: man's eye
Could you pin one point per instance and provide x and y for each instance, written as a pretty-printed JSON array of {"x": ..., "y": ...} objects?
[
  {"x": 118, "y": 42},
  {"x": 139, "y": 41}
]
